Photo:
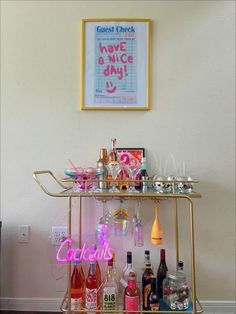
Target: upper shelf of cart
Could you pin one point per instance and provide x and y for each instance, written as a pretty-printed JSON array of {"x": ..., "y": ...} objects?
[{"x": 66, "y": 190}]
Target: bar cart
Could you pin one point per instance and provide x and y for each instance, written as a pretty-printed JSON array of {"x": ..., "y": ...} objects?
[{"x": 67, "y": 192}]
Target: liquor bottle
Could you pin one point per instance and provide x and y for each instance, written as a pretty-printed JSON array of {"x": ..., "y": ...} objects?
[
  {"x": 161, "y": 273},
  {"x": 144, "y": 175},
  {"x": 99, "y": 278},
  {"x": 128, "y": 268},
  {"x": 114, "y": 270},
  {"x": 77, "y": 287},
  {"x": 113, "y": 158},
  {"x": 144, "y": 167},
  {"x": 102, "y": 169},
  {"x": 97, "y": 267},
  {"x": 146, "y": 279},
  {"x": 91, "y": 289},
  {"x": 109, "y": 289},
  {"x": 153, "y": 299},
  {"x": 98, "y": 274},
  {"x": 132, "y": 295}
]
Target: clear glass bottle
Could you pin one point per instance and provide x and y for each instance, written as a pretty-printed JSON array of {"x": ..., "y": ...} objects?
[
  {"x": 146, "y": 279},
  {"x": 109, "y": 289},
  {"x": 128, "y": 268}
]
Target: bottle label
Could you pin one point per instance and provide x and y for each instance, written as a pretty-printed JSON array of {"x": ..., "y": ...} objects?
[
  {"x": 76, "y": 304},
  {"x": 154, "y": 307},
  {"x": 123, "y": 283},
  {"x": 132, "y": 303},
  {"x": 146, "y": 291},
  {"x": 109, "y": 298},
  {"x": 91, "y": 298}
]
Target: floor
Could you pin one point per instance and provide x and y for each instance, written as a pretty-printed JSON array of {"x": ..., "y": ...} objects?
[{"x": 26, "y": 312}]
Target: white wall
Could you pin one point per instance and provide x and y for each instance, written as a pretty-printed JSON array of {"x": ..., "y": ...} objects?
[{"x": 192, "y": 117}]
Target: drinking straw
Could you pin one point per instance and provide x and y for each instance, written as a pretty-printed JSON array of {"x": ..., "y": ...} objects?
[
  {"x": 165, "y": 167},
  {"x": 157, "y": 161},
  {"x": 174, "y": 163},
  {"x": 184, "y": 172},
  {"x": 160, "y": 165},
  {"x": 72, "y": 164}
]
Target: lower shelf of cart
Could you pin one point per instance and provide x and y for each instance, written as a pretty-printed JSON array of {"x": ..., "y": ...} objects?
[{"x": 163, "y": 309}]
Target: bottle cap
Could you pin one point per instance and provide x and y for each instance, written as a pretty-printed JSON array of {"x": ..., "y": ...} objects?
[
  {"x": 147, "y": 252},
  {"x": 180, "y": 265},
  {"x": 129, "y": 257},
  {"x": 103, "y": 154},
  {"x": 162, "y": 253}
]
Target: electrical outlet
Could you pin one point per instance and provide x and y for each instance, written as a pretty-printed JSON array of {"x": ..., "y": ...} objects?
[{"x": 58, "y": 234}]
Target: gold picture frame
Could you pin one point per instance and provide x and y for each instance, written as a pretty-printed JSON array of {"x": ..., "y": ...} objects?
[{"x": 115, "y": 64}]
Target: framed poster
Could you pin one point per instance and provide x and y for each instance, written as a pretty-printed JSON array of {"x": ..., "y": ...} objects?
[
  {"x": 115, "y": 69},
  {"x": 130, "y": 157}
]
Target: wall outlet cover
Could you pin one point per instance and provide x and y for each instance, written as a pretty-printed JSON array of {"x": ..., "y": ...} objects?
[{"x": 58, "y": 234}]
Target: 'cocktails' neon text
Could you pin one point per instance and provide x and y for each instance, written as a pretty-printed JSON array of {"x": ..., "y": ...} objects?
[{"x": 86, "y": 253}]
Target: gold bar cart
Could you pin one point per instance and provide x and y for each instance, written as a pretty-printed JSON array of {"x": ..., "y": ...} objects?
[{"x": 65, "y": 192}]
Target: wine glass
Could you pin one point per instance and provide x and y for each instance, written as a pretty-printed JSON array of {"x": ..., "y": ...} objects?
[
  {"x": 133, "y": 171},
  {"x": 114, "y": 169},
  {"x": 121, "y": 220},
  {"x": 104, "y": 228},
  {"x": 138, "y": 227}
]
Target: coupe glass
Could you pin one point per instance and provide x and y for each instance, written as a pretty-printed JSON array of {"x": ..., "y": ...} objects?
[
  {"x": 133, "y": 171},
  {"x": 114, "y": 169}
]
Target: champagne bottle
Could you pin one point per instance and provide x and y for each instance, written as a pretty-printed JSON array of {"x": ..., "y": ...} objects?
[
  {"x": 102, "y": 169},
  {"x": 153, "y": 299},
  {"x": 161, "y": 273},
  {"x": 132, "y": 295},
  {"x": 146, "y": 279}
]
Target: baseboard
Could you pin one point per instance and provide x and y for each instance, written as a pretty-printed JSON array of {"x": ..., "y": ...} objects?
[
  {"x": 219, "y": 307},
  {"x": 30, "y": 304},
  {"x": 53, "y": 305}
]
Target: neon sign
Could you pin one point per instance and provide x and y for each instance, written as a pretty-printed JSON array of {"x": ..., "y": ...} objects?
[{"x": 86, "y": 253}]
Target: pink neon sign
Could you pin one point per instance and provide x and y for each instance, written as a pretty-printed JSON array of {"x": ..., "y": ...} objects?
[{"x": 86, "y": 253}]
